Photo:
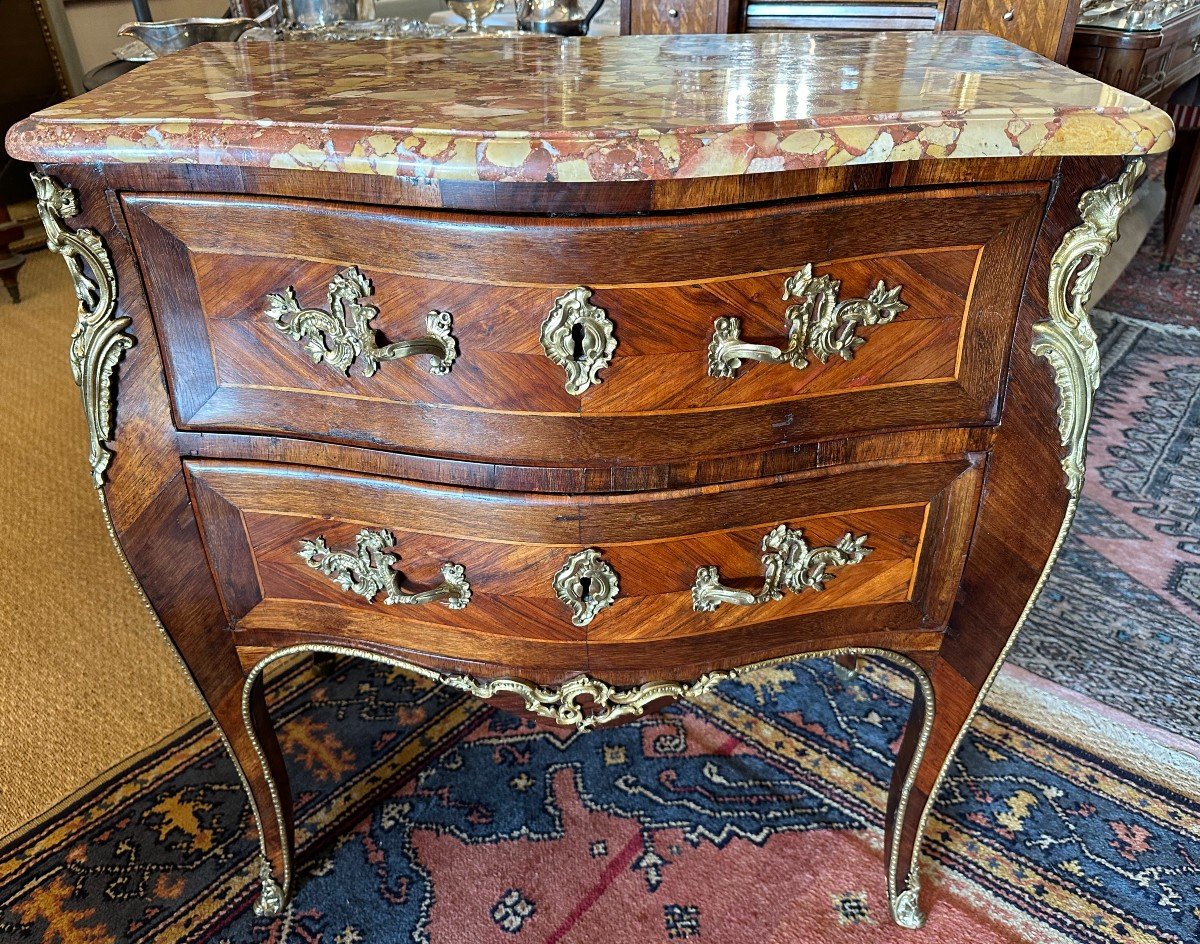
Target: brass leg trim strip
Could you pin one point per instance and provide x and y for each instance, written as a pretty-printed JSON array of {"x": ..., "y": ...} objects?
[{"x": 1067, "y": 341}]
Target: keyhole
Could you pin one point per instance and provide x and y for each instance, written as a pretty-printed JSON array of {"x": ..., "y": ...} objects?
[
  {"x": 585, "y": 589},
  {"x": 577, "y": 333}
]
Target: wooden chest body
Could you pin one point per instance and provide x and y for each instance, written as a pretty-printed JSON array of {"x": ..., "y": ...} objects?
[{"x": 936, "y": 441}]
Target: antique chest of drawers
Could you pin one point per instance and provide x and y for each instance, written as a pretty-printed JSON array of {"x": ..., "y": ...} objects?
[
  {"x": 1154, "y": 52},
  {"x": 586, "y": 374}
]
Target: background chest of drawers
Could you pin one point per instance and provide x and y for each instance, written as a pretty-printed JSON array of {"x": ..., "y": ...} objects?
[
  {"x": 1151, "y": 57},
  {"x": 1045, "y": 26},
  {"x": 1154, "y": 53}
]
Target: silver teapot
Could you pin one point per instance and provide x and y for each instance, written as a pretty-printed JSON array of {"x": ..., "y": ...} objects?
[{"x": 564, "y": 17}]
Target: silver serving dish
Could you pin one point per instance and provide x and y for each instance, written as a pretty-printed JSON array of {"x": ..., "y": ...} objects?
[
  {"x": 474, "y": 12},
  {"x": 320, "y": 12},
  {"x": 134, "y": 51},
  {"x": 167, "y": 36},
  {"x": 388, "y": 27}
]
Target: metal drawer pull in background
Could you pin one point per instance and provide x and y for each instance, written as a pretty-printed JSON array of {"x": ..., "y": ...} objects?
[
  {"x": 344, "y": 333},
  {"x": 368, "y": 570},
  {"x": 817, "y": 323},
  {"x": 788, "y": 564}
]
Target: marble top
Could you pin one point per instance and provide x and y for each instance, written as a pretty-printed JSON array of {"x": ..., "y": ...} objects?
[{"x": 599, "y": 108}]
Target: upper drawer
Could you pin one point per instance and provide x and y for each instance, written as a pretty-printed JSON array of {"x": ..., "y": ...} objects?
[{"x": 266, "y": 326}]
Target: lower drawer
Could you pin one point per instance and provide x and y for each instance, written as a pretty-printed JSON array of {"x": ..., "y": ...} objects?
[{"x": 636, "y": 582}]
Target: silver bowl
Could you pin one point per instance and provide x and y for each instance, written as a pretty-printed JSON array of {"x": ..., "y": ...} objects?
[{"x": 167, "y": 36}]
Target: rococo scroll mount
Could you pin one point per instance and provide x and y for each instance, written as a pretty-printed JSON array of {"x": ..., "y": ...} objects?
[
  {"x": 99, "y": 338},
  {"x": 1066, "y": 338},
  {"x": 344, "y": 334},
  {"x": 817, "y": 323}
]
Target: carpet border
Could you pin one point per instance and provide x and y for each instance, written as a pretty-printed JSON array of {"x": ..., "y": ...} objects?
[
  {"x": 1157, "y": 755},
  {"x": 104, "y": 778},
  {"x": 187, "y": 730}
]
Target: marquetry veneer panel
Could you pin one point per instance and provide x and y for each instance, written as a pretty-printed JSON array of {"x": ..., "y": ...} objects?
[
  {"x": 254, "y": 518},
  {"x": 661, "y": 280}
]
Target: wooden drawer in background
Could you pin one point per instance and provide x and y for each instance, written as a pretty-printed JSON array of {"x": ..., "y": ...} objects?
[
  {"x": 642, "y": 17},
  {"x": 662, "y": 282},
  {"x": 915, "y": 518}
]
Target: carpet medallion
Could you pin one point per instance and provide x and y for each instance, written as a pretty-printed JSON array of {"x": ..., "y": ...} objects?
[{"x": 753, "y": 815}]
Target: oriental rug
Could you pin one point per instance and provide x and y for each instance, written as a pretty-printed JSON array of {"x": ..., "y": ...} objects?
[
  {"x": 1119, "y": 619},
  {"x": 753, "y": 815},
  {"x": 1146, "y": 291}
]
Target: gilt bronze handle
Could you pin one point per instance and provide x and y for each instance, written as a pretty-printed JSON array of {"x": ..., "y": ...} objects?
[
  {"x": 343, "y": 334},
  {"x": 367, "y": 571},
  {"x": 818, "y": 324},
  {"x": 788, "y": 564}
]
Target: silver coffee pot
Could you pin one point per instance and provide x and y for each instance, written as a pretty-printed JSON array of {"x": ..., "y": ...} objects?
[{"x": 564, "y": 17}]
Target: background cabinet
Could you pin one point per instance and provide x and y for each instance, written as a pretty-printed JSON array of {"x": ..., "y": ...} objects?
[{"x": 1045, "y": 26}]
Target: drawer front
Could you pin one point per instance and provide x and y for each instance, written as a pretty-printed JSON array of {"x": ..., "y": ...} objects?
[
  {"x": 674, "y": 16},
  {"x": 585, "y": 342},
  {"x": 1183, "y": 53},
  {"x": 1154, "y": 71},
  {"x": 296, "y": 551}
]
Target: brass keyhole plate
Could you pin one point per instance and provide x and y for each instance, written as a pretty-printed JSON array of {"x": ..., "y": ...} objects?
[
  {"x": 578, "y": 336},
  {"x": 586, "y": 584}
]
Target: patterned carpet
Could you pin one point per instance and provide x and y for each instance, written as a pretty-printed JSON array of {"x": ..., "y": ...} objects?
[
  {"x": 752, "y": 816},
  {"x": 1120, "y": 618},
  {"x": 1167, "y": 297}
]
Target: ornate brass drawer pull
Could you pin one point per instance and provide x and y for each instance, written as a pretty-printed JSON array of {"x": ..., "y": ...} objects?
[
  {"x": 788, "y": 564},
  {"x": 817, "y": 323},
  {"x": 368, "y": 570},
  {"x": 344, "y": 333},
  {"x": 587, "y": 584},
  {"x": 579, "y": 338}
]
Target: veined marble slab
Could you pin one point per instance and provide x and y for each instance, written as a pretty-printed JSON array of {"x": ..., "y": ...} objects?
[{"x": 607, "y": 108}]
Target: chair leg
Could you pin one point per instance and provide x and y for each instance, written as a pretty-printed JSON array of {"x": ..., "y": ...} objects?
[
  {"x": 324, "y": 663},
  {"x": 10, "y": 262},
  {"x": 10, "y": 266},
  {"x": 847, "y": 667}
]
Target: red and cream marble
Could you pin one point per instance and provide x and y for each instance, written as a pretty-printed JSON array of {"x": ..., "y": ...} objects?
[{"x": 617, "y": 108}]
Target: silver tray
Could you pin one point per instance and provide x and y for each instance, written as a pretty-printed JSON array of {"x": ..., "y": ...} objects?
[
  {"x": 388, "y": 27},
  {"x": 134, "y": 51}
]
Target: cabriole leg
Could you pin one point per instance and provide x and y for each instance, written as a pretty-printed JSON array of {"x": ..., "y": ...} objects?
[
  {"x": 941, "y": 710},
  {"x": 247, "y": 727}
]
